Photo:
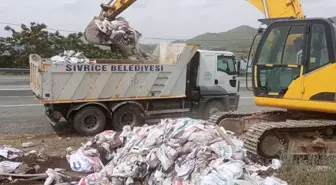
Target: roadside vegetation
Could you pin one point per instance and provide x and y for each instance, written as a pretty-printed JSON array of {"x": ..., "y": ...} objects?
[
  {"x": 312, "y": 170},
  {"x": 35, "y": 39}
]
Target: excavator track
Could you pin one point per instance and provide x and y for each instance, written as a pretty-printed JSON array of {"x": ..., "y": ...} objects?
[
  {"x": 267, "y": 134},
  {"x": 255, "y": 135},
  {"x": 239, "y": 123}
]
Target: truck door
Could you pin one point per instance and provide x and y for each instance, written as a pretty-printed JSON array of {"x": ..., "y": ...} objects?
[
  {"x": 225, "y": 69},
  {"x": 206, "y": 75}
]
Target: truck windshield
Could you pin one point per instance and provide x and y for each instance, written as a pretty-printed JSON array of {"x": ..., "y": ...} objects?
[{"x": 226, "y": 64}]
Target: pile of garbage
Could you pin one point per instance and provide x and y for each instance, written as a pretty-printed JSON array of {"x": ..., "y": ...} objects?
[
  {"x": 175, "y": 151},
  {"x": 71, "y": 57}
]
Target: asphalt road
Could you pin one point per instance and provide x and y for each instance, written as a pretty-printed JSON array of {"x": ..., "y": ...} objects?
[
  {"x": 21, "y": 113},
  {"x": 14, "y": 86}
]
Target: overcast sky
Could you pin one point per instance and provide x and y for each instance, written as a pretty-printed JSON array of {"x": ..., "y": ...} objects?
[{"x": 176, "y": 19}]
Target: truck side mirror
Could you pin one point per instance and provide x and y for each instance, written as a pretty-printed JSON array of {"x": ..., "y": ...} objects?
[
  {"x": 261, "y": 30},
  {"x": 238, "y": 67}
]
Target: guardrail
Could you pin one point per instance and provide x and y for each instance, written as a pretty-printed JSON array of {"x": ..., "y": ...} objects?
[{"x": 14, "y": 70}]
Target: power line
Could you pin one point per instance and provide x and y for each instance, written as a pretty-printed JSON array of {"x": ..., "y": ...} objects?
[
  {"x": 151, "y": 38},
  {"x": 53, "y": 29}
]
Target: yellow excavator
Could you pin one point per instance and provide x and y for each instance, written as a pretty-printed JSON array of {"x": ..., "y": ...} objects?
[{"x": 291, "y": 69}]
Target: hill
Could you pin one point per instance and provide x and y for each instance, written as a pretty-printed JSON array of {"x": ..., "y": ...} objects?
[
  {"x": 333, "y": 18},
  {"x": 237, "y": 38}
]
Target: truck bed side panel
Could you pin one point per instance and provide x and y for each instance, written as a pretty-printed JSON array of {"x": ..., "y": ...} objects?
[{"x": 108, "y": 82}]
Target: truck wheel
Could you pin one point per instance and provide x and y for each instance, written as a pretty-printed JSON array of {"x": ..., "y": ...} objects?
[
  {"x": 89, "y": 121},
  {"x": 128, "y": 114},
  {"x": 211, "y": 108}
]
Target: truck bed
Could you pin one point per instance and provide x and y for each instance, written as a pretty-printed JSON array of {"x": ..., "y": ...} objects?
[{"x": 111, "y": 80}]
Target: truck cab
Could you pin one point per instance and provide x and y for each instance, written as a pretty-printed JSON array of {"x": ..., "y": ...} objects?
[
  {"x": 217, "y": 73},
  {"x": 212, "y": 81}
]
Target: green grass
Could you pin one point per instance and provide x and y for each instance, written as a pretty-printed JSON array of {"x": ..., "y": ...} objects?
[{"x": 308, "y": 171}]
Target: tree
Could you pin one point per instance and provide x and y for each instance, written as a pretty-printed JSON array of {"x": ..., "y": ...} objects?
[{"x": 15, "y": 50}]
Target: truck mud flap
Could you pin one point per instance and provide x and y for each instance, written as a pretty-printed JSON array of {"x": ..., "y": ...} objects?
[{"x": 53, "y": 117}]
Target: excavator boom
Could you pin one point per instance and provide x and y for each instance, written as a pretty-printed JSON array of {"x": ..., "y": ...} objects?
[
  {"x": 279, "y": 8},
  {"x": 116, "y": 7}
]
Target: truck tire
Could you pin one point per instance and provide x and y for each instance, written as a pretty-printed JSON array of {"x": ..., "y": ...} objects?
[
  {"x": 211, "y": 108},
  {"x": 89, "y": 121},
  {"x": 129, "y": 114}
]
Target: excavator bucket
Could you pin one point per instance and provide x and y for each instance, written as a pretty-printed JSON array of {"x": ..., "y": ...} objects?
[
  {"x": 110, "y": 11},
  {"x": 279, "y": 8},
  {"x": 109, "y": 29},
  {"x": 93, "y": 34}
]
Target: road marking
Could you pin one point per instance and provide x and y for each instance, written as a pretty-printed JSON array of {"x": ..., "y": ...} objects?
[
  {"x": 17, "y": 97},
  {"x": 23, "y": 105},
  {"x": 16, "y": 89},
  {"x": 247, "y": 97}
]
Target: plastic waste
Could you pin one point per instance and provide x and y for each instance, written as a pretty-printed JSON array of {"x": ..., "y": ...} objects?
[
  {"x": 71, "y": 57},
  {"x": 53, "y": 177},
  {"x": 276, "y": 164},
  {"x": 81, "y": 162},
  {"x": 11, "y": 154},
  {"x": 8, "y": 166},
  {"x": 92, "y": 179},
  {"x": 273, "y": 181}
]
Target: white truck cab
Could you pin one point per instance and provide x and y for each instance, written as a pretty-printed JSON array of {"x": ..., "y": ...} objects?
[{"x": 217, "y": 74}]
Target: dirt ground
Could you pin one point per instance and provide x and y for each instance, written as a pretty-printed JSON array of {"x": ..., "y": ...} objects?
[{"x": 51, "y": 147}]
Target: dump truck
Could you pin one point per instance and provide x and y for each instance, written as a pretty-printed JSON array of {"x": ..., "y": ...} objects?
[{"x": 183, "y": 81}]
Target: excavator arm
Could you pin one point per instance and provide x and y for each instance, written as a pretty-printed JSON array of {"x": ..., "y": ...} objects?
[
  {"x": 279, "y": 8},
  {"x": 115, "y": 8},
  {"x": 270, "y": 8}
]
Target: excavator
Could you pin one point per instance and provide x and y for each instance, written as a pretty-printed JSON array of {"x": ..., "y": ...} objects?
[{"x": 291, "y": 68}]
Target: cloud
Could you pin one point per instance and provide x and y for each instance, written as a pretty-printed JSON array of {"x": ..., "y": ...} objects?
[{"x": 154, "y": 18}]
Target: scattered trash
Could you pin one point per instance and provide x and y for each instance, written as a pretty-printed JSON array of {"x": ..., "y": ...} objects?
[
  {"x": 71, "y": 57},
  {"x": 9, "y": 167},
  {"x": 85, "y": 161},
  {"x": 28, "y": 145},
  {"x": 11, "y": 154},
  {"x": 30, "y": 152},
  {"x": 54, "y": 176},
  {"x": 276, "y": 164},
  {"x": 273, "y": 181}
]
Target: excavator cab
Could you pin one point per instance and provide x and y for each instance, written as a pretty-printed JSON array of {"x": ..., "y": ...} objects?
[{"x": 294, "y": 66}]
